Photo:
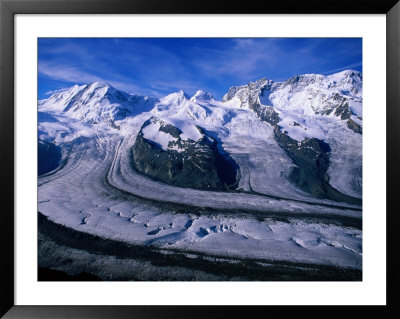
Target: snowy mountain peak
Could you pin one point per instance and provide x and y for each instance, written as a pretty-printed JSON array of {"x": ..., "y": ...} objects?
[
  {"x": 304, "y": 79},
  {"x": 104, "y": 89},
  {"x": 312, "y": 93},
  {"x": 96, "y": 103},
  {"x": 349, "y": 73},
  {"x": 182, "y": 94},
  {"x": 74, "y": 88},
  {"x": 163, "y": 131},
  {"x": 99, "y": 84},
  {"x": 259, "y": 83},
  {"x": 201, "y": 95},
  {"x": 175, "y": 98},
  {"x": 252, "y": 89},
  {"x": 347, "y": 81}
]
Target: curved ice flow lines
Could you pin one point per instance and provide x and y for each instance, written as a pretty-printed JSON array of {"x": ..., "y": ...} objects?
[{"x": 96, "y": 191}]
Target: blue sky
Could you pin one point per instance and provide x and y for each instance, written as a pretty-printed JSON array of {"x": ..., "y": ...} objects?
[{"x": 159, "y": 66}]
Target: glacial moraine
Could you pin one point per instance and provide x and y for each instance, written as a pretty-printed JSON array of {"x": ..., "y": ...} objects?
[{"x": 70, "y": 255}]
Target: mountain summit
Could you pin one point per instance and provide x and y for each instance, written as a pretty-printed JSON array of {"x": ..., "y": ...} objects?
[
  {"x": 201, "y": 95},
  {"x": 96, "y": 102}
]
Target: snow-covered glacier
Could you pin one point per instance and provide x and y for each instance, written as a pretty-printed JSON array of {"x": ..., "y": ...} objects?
[{"x": 294, "y": 193}]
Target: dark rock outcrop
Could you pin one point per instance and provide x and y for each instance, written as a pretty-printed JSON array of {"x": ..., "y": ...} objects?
[
  {"x": 198, "y": 164},
  {"x": 343, "y": 111},
  {"x": 265, "y": 113},
  {"x": 356, "y": 128},
  {"x": 311, "y": 157},
  {"x": 49, "y": 157}
]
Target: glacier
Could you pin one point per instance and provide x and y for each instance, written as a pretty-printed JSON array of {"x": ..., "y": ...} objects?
[{"x": 96, "y": 190}]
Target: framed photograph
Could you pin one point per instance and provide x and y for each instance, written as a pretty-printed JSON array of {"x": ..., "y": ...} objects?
[{"x": 167, "y": 158}]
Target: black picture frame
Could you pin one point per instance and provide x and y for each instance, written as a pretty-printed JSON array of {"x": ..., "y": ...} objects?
[{"x": 8, "y": 9}]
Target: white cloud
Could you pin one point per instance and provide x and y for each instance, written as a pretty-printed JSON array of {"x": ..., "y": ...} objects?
[
  {"x": 353, "y": 65},
  {"x": 66, "y": 73},
  {"x": 73, "y": 75}
]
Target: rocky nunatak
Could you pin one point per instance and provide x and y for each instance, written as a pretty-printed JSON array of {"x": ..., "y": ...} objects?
[
  {"x": 49, "y": 157},
  {"x": 311, "y": 159},
  {"x": 201, "y": 164}
]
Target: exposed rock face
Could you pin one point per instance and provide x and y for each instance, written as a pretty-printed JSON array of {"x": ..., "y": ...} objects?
[
  {"x": 200, "y": 164},
  {"x": 356, "y": 128},
  {"x": 343, "y": 110},
  {"x": 325, "y": 95},
  {"x": 249, "y": 93},
  {"x": 265, "y": 113},
  {"x": 250, "y": 96},
  {"x": 311, "y": 157},
  {"x": 49, "y": 156}
]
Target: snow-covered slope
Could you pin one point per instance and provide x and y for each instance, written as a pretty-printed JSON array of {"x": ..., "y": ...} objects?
[
  {"x": 96, "y": 102},
  {"x": 328, "y": 108},
  {"x": 167, "y": 135},
  {"x": 304, "y": 98}
]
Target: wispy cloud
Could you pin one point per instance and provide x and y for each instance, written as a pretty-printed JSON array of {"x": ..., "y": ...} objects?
[
  {"x": 346, "y": 67},
  {"x": 241, "y": 59},
  {"x": 160, "y": 66},
  {"x": 54, "y": 91},
  {"x": 66, "y": 73},
  {"x": 76, "y": 76}
]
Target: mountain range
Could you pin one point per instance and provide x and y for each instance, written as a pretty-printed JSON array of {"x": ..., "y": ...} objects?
[{"x": 306, "y": 131}]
